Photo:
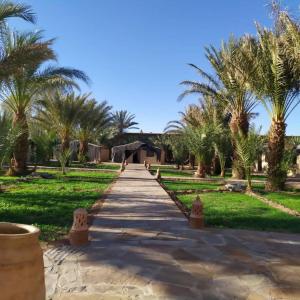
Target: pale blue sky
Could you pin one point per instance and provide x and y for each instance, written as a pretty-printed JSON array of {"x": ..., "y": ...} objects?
[{"x": 136, "y": 51}]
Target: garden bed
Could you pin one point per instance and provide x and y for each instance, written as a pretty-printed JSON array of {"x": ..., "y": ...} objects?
[
  {"x": 49, "y": 203},
  {"x": 230, "y": 209}
]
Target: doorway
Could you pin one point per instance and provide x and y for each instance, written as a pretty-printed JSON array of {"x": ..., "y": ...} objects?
[{"x": 135, "y": 158}]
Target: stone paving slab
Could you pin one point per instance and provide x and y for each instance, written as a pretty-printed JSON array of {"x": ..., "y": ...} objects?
[{"x": 142, "y": 248}]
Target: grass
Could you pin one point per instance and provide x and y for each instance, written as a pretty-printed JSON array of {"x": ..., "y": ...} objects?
[
  {"x": 49, "y": 203},
  {"x": 290, "y": 200},
  {"x": 234, "y": 210},
  {"x": 167, "y": 171},
  {"x": 173, "y": 173},
  {"x": 75, "y": 164},
  {"x": 173, "y": 185}
]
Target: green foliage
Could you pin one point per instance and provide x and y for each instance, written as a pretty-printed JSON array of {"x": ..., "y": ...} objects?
[
  {"x": 122, "y": 120},
  {"x": 179, "y": 149},
  {"x": 200, "y": 142},
  {"x": 8, "y": 138},
  {"x": 248, "y": 148},
  {"x": 63, "y": 157}
]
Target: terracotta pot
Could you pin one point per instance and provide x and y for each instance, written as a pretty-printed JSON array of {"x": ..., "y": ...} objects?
[{"x": 21, "y": 263}]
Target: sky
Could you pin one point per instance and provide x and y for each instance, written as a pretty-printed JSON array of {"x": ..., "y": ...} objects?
[{"x": 136, "y": 51}]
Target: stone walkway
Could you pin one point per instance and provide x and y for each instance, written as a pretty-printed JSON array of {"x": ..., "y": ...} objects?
[{"x": 142, "y": 248}]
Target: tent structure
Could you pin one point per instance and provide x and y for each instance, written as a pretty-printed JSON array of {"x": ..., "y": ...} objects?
[{"x": 123, "y": 152}]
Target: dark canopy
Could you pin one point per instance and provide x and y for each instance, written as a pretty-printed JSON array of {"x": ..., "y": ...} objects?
[{"x": 122, "y": 152}]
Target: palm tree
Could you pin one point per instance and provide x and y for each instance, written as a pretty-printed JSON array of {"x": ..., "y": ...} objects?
[
  {"x": 122, "y": 120},
  {"x": 276, "y": 84},
  {"x": 61, "y": 113},
  {"x": 229, "y": 88},
  {"x": 21, "y": 90},
  {"x": 200, "y": 142},
  {"x": 9, "y": 9},
  {"x": 248, "y": 148},
  {"x": 93, "y": 120},
  {"x": 8, "y": 137}
]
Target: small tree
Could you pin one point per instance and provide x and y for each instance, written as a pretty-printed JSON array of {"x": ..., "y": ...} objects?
[
  {"x": 248, "y": 148},
  {"x": 63, "y": 157},
  {"x": 178, "y": 148},
  {"x": 222, "y": 145},
  {"x": 200, "y": 143}
]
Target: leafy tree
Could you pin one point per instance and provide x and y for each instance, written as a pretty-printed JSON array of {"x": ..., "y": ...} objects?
[
  {"x": 228, "y": 86},
  {"x": 276, "y": 83},
  {"x": 248, "y": 148},
  {"x": 122, "y": 120},
  {"x": 21, "y": 90},
  {"x": 94, "y": 118},
  {"x": 60, "y": 112},
  {"x": 200, "y": 142}
]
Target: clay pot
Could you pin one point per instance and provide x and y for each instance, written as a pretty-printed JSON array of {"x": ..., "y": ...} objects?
[{"x": 21, "y": 263}]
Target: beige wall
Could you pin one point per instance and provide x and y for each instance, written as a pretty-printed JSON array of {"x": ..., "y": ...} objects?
[
  {"x": 143, "y": 157},
  {"x": 104, "y": 154}
]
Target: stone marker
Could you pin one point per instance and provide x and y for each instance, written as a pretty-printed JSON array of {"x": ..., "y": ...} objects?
[
  {"x": 157, "y": 176},
  {"x": 79, "y": 235},
  {"x": 145, "y": 164},
  {"x": 148, "y": 166},
  {"x": 235, "y": 187},
  {"x": 196, "y": 217}
]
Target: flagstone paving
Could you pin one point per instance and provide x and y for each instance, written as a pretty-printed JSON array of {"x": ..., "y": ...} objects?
[{"x": 142, "y": 248}]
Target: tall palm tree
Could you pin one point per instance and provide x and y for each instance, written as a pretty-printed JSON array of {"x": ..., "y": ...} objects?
[
  {"x": 93, "y": 120},
  {"x": 228, "y": 87},
  {"x": 276, "y": 84},
  {"x": 122, "y": 120},
  {"x": 61, "y": 112},
  {"x": 21, "y": 90},
  {"x": 9, "y": 9}
]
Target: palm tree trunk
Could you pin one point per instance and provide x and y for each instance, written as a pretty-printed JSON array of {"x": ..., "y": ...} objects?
[
  {"x": 192, "y": 161},
  {"x": 276, "y": 174},
  {"x": 200, "y": 170},
  {"x": 238, "y": 122},
  {"x": 65, "y": 143},
  {"x": 21, "y": 147},
  {"x": 83, "y": 150}
]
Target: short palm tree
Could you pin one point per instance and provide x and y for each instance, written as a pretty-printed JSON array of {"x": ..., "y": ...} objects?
[
  {"x": 248, "y": 148},
  {"x": 199, "y": 141},
  {"x": 21, "y": 90},
  {"x": 228, "y": 87},
  {"x": 61, "y": 113},
  {"x": 276, "y": 84},
  {"x": 93, "y": 120}
]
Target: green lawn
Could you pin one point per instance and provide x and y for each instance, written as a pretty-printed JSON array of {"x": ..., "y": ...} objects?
[
  {"x": 75, "y": 164},
  {"x": 236, "y": 210},
  {"x": 289, "y": 200},
  {"x": 167, "y": 171},
  {"x": 173, "y": 173},
  {"x": 49, "y": 203},
  {"x": 173, "y": 185}
]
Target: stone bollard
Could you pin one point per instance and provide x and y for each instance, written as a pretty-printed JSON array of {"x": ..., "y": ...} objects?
[
  {"x": 145, "y": 164},
  {"x": 158, "y": 176},
  {"x": 196, "y": 217},
  {"x": 148, "y": 167},
  {"x": 126, "y": 163},
  {"x": 78, "y": 235}
]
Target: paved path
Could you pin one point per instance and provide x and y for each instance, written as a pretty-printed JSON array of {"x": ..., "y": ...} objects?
[{"x": 142, "y": 248}]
